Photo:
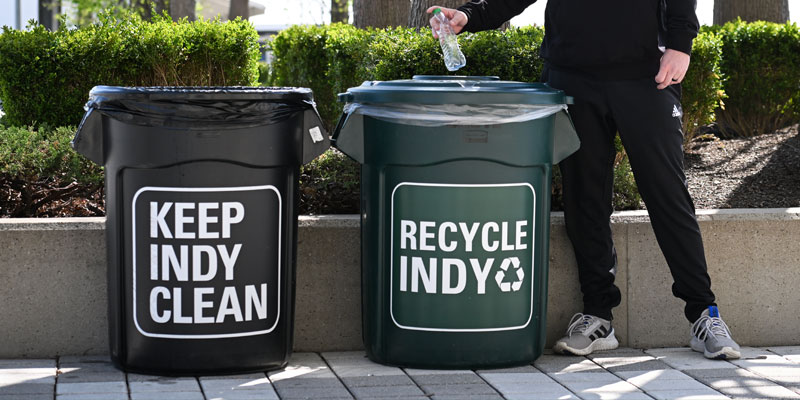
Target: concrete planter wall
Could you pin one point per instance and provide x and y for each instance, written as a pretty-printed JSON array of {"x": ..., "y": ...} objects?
[{"x": 53, "y": 287}]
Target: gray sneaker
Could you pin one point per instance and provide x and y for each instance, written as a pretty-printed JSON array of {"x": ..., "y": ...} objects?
[
  {"x": 712, "y": 337},
  {"x": 586, "y": 334}
]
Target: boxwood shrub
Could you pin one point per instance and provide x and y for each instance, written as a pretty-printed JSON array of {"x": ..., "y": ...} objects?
[
  {"x": 702, "y": 86},
  {"x": 45, "y": 76},
  {"x": 40, "y": 175},
  {"x": 761, "y": 67}
]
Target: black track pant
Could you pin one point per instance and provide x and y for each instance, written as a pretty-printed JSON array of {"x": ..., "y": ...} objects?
[{"x": 649, "y": 123}]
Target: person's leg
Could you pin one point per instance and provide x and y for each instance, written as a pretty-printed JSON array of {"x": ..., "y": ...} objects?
[
  {"x": 649, "y": 122},
  {"x": 587, "y": 178}
]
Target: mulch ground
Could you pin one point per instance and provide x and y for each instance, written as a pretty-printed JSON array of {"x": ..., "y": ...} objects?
[{"x": 759, "y": 172}]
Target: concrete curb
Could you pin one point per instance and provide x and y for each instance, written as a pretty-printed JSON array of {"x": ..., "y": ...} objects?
[{"x": 54, "y": 297}]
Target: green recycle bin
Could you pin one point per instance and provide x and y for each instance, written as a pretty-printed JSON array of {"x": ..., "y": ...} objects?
[{"x": 455, "y": 206}]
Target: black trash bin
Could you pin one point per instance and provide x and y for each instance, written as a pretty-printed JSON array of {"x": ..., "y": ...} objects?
[{"x": 201, "y": 192}]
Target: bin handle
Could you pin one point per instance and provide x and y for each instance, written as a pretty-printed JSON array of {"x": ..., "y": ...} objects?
[
  {"x": 345, "y": 97},
  {"x": 339, "y": 126}
]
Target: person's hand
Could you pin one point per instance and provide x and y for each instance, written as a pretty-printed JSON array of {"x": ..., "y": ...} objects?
[
  {"x": 457, "y": 19},
  {"x": 673, "y": 68}
]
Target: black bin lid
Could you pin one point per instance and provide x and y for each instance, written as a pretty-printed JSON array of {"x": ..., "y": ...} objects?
[{"x": 219, "y": 93}]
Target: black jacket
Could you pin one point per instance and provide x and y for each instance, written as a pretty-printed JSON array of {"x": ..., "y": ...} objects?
[{"x": 611, "y": 39}]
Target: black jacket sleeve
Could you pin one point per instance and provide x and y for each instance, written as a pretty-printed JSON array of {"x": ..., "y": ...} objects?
[
  {"x": 682, "y": 24},
  {"x": 490, "y": 14}
]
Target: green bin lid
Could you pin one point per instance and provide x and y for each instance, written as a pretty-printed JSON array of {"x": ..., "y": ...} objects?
[{"x": 444, "y": 89}]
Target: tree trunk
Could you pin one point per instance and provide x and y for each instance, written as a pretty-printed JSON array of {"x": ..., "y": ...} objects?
[
  {"x": 182, "y": 8},
  {"x": 380, "y": 13},
  {"x": 145, "y": 8},
  {"x": 239, "y": 8},
  {"x": 339, "y": 12},
  {"x": 418, "y": 18},
  {"x": 751, "y": 10},
  {"x": 48, "y": 14}
]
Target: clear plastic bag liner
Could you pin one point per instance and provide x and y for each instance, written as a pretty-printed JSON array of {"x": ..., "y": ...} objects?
[
  {"x": 197, "y": 114},
  {"x": 453, "y": 114}
]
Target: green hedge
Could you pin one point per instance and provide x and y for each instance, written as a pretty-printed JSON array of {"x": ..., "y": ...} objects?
[
  {"x": 401, "y": 53},
  {"x": 40, "y": 173},
  {"x": 702, "y": 86},
  {"x": 300, "y": 60},
  {"x": 330, "y": 59},
  {"x": 45, "y": 77},
  {"x": 29, "y": 154},
  {"x": 761, "y": 67},
  {"x": 512, "y": 54}
]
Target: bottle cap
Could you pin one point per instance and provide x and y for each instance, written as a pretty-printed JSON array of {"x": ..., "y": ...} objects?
[{"x": 437, "y": 11}]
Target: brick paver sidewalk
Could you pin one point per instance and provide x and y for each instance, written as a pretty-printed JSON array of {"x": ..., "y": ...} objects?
[{"x": 678, "y": 373}]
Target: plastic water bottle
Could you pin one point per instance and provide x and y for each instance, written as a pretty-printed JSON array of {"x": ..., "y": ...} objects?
[{"x": 453, "y": 57}]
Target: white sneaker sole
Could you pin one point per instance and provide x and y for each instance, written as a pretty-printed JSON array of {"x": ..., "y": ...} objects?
[
  {"x": 607, "y": 343},
  {"x": 726, "y": 353}
]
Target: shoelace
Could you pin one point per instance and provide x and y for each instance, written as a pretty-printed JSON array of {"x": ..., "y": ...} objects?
[
  {"x": 579, "y": 323},
  {"x": 714, "y": 325}
]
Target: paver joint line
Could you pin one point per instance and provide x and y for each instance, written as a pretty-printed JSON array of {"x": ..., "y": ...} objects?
[
  {"x": 199, "y": 385},
  {"x": 339, "y": 378}
]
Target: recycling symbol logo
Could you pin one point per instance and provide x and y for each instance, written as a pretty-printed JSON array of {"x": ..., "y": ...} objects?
[{"x": 501, "y": 275}]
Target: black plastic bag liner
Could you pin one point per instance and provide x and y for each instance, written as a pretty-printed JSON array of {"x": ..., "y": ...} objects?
[{"x": 186, "y": 108}]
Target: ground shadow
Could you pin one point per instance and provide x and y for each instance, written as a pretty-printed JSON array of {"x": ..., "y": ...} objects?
[{"x": 777, "y": 185}]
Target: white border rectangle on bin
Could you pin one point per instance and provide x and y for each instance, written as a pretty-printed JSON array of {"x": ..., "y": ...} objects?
[
  {"x": 391, "y": 258},
  {"x": 210, "y": 190}
]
